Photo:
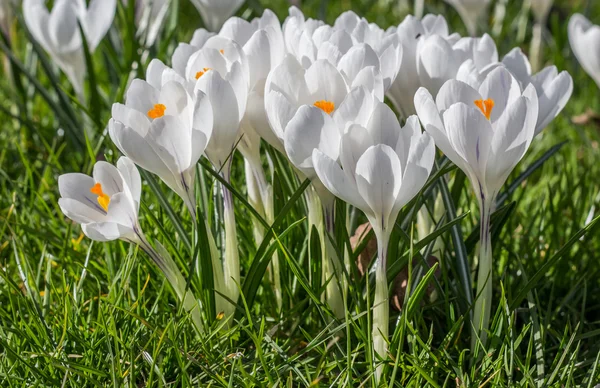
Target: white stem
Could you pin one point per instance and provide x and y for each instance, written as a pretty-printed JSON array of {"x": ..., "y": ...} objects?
[
  {"x": 381, "y": 305},
  {"x": 481, "y": 314},
  {"x": 332, "y": 266},
  {"x": 536, "y": 48},
  {"x": 231, "y": 265}
]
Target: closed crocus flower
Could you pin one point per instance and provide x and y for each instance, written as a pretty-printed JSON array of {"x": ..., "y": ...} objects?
[
  {"x": 105, "y": 204},
  {"x": 553, "y": 89},
  {"x": 58, "y": 31},
  {"x": 215, "y": 12},
  {"x": 298, "y": 33},
  {"x": 410, "y": 32},
  {"x": 164, "y": 131},
  {"x": 471, "y": 12},
  {"x": 485, "y": 132},
  {"x": 381, "y": 167},
  {"x": 585, "y": 44}
]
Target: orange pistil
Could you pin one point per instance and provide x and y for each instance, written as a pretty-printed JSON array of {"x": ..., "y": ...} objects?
[
  {"x": 222, "y": 52},
  {"x": 103, "y": 199},
  {"x": 325, "y": 106},
  {"x": 486, "y": 107},
  {"x": 201, "y": 73},
  {"x": 157, "y": 111}
]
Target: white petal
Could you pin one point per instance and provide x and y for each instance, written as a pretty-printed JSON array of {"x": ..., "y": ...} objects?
[
  {"x": 502, "y": 88},
  {"x": 171, "y": 139},
  {"x": 378, "y": 180},
  {"x": 383, "y": 125},
  {"x": 455, "y": 91},
  {"x": 131, "y": 178},
  {"x": 310, "y": 129},
  {"x": 109, "y": 177},
  {"x": 325, "y": 82},
  {"x": 99, "y": 17},
  {"x": 337, "y": 181},
  {"x": 77, "y": 187}
]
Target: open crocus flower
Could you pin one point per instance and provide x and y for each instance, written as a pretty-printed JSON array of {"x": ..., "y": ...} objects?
[
  {"x": 165, "y": 132},
  {"x": 410, "y": 32},
  {"x": 215, "y": 12},
  {"x": 289, "y": 86},
  {"x": 485, "y": 132},
  {"x": 105, "y": 204},
  {"x": 383, "y": 166},
  {"x": 471, "y": 12},
  {"x": 584, "y": 38},
  {"x": 58, "y": 32}
]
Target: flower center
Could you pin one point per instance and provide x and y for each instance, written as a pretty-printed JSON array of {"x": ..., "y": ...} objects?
[
  {"x": 103, "y": 199},
  {"x": 222, "y": 52},
  {"x": 201, "y": 73},
  {"x": 157, "y": 111},
  {"x": 485, "y": 106},
  {"x": 325, "y": 106}
]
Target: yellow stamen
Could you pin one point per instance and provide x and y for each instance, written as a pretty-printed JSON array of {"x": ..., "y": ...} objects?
[
  {"x": 157, "y": 111},
  {"x": 325, "y": 106},
  {"x": 78, "y": 241},
  {"x": 201, "y": 73},
  {"x": 103, "y": 199},
  {"x": 485, "y": 106}
]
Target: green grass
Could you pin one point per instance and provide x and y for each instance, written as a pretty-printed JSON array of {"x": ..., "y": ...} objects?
[{"x": 76, "y": 314}]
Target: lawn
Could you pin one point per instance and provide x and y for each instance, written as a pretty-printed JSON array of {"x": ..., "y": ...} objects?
[{"x": 78, "y": 313}]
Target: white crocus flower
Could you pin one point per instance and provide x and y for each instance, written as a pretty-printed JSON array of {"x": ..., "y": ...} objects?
[
  {"x": 164, "y": 131},
  {"x": 410, "y": 32},
  {"x": 382, "y": 166},
  {"x": 298, "y": 34},
  {"x": 438, "y": 60},
  {"x": 215, "y": 12},
  {"x": 106, "y": 205},
  {"x": 184, "y": 51},
  {"x": 485, "y": 132},
  {"x": 58, "y": 31},
  {"x": 471, "y": 12},
  {"x": 584, "y": 38},
  {"x": 289, "y": 86},
  {"x": 553, "y": 89}
]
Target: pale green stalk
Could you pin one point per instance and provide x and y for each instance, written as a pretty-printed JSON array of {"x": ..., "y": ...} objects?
[
  {"x": 321, "y": 213},
  {"x": 426, "y": 224},
  {"x": 381, "y": 305},
  {"x": 168, "y": 267},
  {"x": 231, "y": 263},
  {"x": 536, "y": 47},
  {"x": 481, "y": 314}
]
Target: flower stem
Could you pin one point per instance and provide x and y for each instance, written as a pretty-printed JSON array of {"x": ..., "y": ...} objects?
[
  {"x": 381, "y": 305},
  {"x": 332, "y": 266},
  {"x": 168, "y": 267},
  {"x": 481, "y": 314},
  {"x": 231, "y": 265}
]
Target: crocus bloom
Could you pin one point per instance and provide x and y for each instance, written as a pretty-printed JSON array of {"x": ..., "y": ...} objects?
[
  {"x": 58, "y": 32},
  {"x": 215, "y": 12},
  {"x": 106, "y": 205},
  {"x": 410, "y": 32},
  {"x": 383, "y": 166},
  {"x": 164, "y": 131},
  {"x": 585, "y": 44},
  {"x": 438, "y": 60},
  {"x": 289, "y": 86},
  {"x": 485, "y": 132},
  {"x": 471, "y": 12}
]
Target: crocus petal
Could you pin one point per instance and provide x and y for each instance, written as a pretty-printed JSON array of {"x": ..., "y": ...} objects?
[
  {"x": 310, "y": 129},
  {"x": 99, "y": 17},
  {"x": 378, "y": 180}
]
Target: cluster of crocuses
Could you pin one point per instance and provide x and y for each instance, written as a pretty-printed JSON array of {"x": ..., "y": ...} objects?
[{"x": 316, "y": 93}]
